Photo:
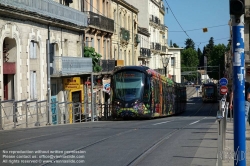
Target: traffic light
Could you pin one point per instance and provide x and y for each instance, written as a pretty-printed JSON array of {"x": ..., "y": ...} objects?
[{"x": 237, "y": 7}]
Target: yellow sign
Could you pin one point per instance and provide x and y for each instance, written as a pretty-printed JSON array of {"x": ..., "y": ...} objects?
[
  {"x": 72, "y": 83},
  {"x": 204, "y": 30}
]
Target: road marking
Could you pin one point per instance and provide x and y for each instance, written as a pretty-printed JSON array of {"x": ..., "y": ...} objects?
[
  {"x": 197, "y": 121},
  {"x": 194, "y": 122},
  {"x": 161, "y": 123}
]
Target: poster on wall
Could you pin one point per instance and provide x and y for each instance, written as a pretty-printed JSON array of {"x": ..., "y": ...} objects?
[{"x": 106, "y": 85}]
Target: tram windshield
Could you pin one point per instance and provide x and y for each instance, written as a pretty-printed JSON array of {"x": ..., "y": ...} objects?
[
  {"x": 128, "y": 85},
  {"x": 209, "y": 91}
]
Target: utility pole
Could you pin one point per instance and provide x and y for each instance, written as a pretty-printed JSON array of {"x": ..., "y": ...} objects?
[{"x": 237, "y": 10}]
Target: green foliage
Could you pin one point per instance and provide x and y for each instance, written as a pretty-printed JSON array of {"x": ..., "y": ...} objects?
[
  {"x": 189, "y": 62},
  {"x": 189, "y": 44},
  {"x": 175, "y": 45},
  {"x": 90, "y": 53},
  {"x": 217, "y": 59},
  {"x": 189, "y": 57}
]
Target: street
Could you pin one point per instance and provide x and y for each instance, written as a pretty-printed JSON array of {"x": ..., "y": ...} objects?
[{"x": 175, "y": 140}]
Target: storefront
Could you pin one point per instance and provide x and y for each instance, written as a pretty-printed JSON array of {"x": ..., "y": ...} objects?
[{"x": 75, "y": 88}]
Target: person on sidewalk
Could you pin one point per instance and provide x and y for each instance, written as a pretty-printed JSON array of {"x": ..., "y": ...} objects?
[{"x": 247, "y": 101}]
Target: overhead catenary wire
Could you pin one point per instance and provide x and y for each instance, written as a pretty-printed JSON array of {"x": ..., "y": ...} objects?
[
  {"x": 202, "y": 28},
  {"x": 168, "y": 31}
]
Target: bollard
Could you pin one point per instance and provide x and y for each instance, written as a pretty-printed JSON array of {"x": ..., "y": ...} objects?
[{"x": 219, "y": 119}]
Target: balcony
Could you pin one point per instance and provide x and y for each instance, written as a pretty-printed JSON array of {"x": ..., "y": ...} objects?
[
  {"x": 162, "y": 28},
  {"x": 107, "y": 65},
  {"x": 49, "y": 9},
  {"x": 137, "y": 40},
  {"x": 64, "y": 66},
  {"x": 157, "y": 46},
  {"x": 125, "y": 35},
  {"x": 100, "y": 21},
  {"x": 162, "y": 8},
  {"x": 145, "y": 53}
]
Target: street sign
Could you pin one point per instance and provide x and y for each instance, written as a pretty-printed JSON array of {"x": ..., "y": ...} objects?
[
  {"x": 197, "y": 88},
  {"x": 223, "y": 90},
  {"x": 223, "y": 81}
]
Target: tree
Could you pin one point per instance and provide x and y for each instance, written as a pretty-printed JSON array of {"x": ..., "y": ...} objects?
[
  {"x": 200, "y": 57},
  {"x": 189, "y": 44},
  {"x": 217, "y": 59},
  {"x": 189, "y": 61},
  {"x": 90, "y": 52},
  {"x": 175, "y": 45},
  {"x": 209, "y": 48}
]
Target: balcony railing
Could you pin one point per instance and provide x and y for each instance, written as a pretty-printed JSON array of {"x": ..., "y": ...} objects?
[
  {"x": 108, "y": 65},
  {"x": 145, "y": 53},
  {"x": 63, "y": 65},
  {"x": 49, "y": 8},
  {"x": 125, "y": 35},
  {"x": 157, "y": 46},
  {"x": 163, "y": 27},
  {"x": 100, "y": 21}
]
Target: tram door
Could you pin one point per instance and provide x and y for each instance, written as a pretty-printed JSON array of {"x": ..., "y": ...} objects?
[{"x": 76, "y": 99}]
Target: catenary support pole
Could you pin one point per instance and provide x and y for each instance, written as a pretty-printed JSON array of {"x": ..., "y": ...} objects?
[{"x": 238, "y": 89}]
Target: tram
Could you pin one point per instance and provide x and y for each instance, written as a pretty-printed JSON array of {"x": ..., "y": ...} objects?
[
  {"x": 209, "y": 92},
  {"x": 138, "y": 91}
]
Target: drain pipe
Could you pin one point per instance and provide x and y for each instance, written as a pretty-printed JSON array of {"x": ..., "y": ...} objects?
[{"x": 48, "y": 76}]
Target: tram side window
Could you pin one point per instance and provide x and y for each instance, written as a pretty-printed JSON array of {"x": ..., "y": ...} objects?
[
  {"x": 156, "y": 89},
  {"x": 146, "y": 95}
]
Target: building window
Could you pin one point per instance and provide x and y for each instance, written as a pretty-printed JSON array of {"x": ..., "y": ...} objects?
[
  {"x": 172, "y": 61},
  {"x": 104, "y": 49},
  {"x": 129, "y": 23},
  {"x": 91, "y": 5},
  {"x": 115, "y": 20},
  {"x": 108, "y": 48},
  {"x": 98, "y": 6},
  {"x": 87, "y": 42},
  {"x": 125, "y": 22},
  {"x": 33, "y": 49},
  {"x": 103, "y": 8},
  {"x": 82, "y": 6},
  {"x": 92, "y": 42},
  {"x": 33, "y": 87},
  {"x": 98, "y": 45}
]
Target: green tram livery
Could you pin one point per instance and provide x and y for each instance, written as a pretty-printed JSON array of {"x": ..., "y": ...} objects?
[{"x": 138, "y": 91}]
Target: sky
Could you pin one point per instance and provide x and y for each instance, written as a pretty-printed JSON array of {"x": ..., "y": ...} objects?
[{"x": 193, "y": 16}]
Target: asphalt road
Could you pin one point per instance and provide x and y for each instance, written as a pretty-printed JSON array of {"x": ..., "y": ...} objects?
[{"x": 174, "y": 140}]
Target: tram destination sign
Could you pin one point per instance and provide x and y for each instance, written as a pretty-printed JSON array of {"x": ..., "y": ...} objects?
[{"x": 223, "y": 81}]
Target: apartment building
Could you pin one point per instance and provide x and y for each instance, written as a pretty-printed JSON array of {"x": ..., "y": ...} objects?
[
  {"x": 144, "y": 46},
  {"x": 125, "y": 38},
  {"x": 33, "y": 32},
  {"x": 151, "y": 16}
]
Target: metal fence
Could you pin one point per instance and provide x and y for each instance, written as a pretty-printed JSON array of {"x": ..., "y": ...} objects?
[{"x": 24, "y": 114}]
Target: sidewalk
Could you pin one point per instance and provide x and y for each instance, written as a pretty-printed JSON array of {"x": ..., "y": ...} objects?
[{"x": 228, "y": 161}]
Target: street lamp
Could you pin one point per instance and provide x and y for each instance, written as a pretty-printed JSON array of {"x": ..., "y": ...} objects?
[{"x": 165, "y": 61}]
